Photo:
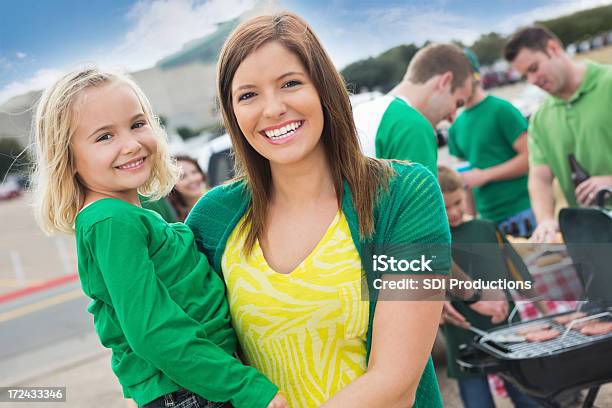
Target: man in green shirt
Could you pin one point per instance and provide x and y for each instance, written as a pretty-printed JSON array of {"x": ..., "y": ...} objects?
[
  {"x": 575, "y": 119},
  {"x": 400, "y": 125},
  {"x": 492, "y": 135}
]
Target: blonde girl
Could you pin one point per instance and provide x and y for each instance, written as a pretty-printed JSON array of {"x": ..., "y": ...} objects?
[{"x": 156, "y": 302}]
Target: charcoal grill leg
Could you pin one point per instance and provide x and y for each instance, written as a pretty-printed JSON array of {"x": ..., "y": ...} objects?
[{"x": 590, "y": 398}]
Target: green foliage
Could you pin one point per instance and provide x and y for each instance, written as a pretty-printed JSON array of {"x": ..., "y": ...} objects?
[
  {"x": 186, "y": 132},
  {"x": 488, "y": 48},
  {"x": 581, "y": 25},
  {"x": 382, "y": 72},
  {"x": 13, "y": 158},
  {"x": 386, "y": 70}
]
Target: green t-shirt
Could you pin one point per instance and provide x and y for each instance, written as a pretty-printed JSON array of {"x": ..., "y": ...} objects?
[
  {"x": 582, "y": 126},
  {"x": 160, "y": 307},
  {"x": 161, "y": 206},
  {"x": 389, "y": 128},
  {"x": 476, "y": 252},
  {"x": 484, "y": 135}
]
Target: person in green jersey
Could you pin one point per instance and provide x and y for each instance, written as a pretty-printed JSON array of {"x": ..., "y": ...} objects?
[
  {"x": 485, "y": 310},
  {"x": 573, "y": 120},
  {"x": 491, "y": 134},
  {"x": 156, "y": 302},
  {"x": 401, "y": 124}
]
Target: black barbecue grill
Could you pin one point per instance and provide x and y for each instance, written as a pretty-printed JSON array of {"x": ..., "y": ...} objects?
[{"x": 549, "y": 370}]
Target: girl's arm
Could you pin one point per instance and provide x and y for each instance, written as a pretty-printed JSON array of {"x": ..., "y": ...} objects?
[{"x": 159, "y": 331}]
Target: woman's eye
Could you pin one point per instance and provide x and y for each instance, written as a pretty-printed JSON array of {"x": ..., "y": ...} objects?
[
  {"x": 138, "y": 125},
  {"x": 104, "y": 137},
  {"x": 291, "y": 83},
  {"x": 246, "y": 96}
]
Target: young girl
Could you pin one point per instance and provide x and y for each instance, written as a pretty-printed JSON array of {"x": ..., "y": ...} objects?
[{"x": 156, "y": 302}]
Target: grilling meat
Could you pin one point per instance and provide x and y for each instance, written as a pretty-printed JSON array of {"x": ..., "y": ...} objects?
[
  {"x": 596, "y": 328},
  {"x": 579, "y": 325},
  {"x": 533, "y": 328},
  {"x": 542, "y": 335},
  {"x": 568, "y": 317}
]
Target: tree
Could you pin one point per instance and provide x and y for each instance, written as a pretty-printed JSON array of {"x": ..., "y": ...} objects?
[
  {"x": 382, "y": 72},
  {"x": 186, "y": 132},
  {"x": 488, "y": 48}
]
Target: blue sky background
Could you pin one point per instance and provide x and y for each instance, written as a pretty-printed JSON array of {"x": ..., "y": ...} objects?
[{"x": 40, "y": 39}]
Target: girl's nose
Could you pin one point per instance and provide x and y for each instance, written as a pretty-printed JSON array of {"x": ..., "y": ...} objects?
[{"x": 131, "y": 145}]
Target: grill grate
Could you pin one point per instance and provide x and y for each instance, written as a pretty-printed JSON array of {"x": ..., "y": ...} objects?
[{"x": 526, "y": 349}]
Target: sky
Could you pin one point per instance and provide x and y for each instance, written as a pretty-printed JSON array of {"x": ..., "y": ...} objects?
[{"x": 40, "y": 39}]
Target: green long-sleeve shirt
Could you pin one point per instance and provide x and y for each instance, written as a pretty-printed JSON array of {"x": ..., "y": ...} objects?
[{"x": 160, "y": 307}]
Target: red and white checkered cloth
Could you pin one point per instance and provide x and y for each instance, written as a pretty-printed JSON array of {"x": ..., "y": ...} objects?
[{"x": 561, "y": 288}]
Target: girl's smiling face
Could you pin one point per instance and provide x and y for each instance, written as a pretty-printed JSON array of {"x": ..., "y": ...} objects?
[
  {"x": 113, "y": 144},
  {"x": 277, "y": 106}
]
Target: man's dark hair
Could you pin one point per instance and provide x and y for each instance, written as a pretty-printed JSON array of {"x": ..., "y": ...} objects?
[{"x": 535, "y": 38}]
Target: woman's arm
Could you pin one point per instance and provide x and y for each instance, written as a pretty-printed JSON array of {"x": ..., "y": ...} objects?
[
  {"x": 403, "y": 336},
  {"x": 403, "y": 331}
]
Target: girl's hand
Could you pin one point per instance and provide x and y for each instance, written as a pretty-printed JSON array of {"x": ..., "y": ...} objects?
[{"x": 279, "y": 401}]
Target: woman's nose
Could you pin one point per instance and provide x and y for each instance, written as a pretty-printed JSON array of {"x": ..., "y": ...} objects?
[{"x": 274, "y": 106}]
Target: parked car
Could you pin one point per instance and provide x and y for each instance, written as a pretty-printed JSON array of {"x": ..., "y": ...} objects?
[
  {"x": 216, "y": 157},
  {"x": 584, "y": 46},
  {"x": 10, "y": 188},
  {"x": 597, "y": 42}
]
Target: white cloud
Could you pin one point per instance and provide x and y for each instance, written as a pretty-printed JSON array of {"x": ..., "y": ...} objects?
[
  {"x": 156, "y": 29},
  {"x": 20, "y": 55},
  {"x": 161, "y": 27},
  {"x": 39, "y": 80}
]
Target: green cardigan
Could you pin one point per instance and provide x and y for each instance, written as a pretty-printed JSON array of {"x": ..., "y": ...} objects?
[{"x": 411, "y": 210}]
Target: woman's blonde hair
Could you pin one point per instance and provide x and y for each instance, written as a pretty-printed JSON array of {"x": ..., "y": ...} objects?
[
  {"x": 363, "y": 175},
  {"x": 58, "y": 193}
]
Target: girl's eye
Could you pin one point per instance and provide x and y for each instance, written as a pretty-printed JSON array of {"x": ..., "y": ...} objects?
[
  {"x": 246, "y": 96},
  {"x": 291, "y": 83},
  {"x": 138, "y": 125},
  {"x": 104, "y": 137}
]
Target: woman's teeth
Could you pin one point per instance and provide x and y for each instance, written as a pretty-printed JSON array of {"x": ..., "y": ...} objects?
[{"x": 285, "y": 131}]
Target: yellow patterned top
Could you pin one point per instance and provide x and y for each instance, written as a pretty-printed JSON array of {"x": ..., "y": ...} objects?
[{"x": 306, "y": 330}]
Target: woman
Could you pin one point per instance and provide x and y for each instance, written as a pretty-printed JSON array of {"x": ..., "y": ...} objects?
[
  {"x": 189, "y": 188},
  {"x": 186, "y": 192},
  {"x": 289, "y": 234}
]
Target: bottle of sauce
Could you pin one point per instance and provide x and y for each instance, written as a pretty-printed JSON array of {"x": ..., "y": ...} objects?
[{"x": 579, "y": 174}]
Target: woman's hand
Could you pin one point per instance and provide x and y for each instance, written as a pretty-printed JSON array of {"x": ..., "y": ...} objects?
[{"x": 278, "y": 401}]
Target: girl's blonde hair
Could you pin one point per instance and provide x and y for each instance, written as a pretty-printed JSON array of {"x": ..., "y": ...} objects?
[{"x": 58, "y": 193}]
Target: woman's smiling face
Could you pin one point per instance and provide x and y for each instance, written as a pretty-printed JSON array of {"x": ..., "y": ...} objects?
[{"x": 277, "y": 106}]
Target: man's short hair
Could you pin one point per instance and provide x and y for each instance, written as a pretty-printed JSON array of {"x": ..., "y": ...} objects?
[
  {"x": 449, "y": 180},
  {"x": 438, "y": 59},
  {"x": 534, "y": 38}
]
